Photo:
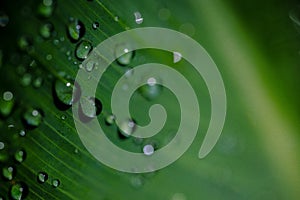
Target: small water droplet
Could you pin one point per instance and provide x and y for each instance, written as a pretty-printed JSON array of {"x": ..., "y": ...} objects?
[
  {"x": 76, "y": 29},
  {"x": 64, "y": 92},
  {"x": 55, "y": 183},
  {"x": 19, "y": 191},
  {"x": 95, "y": 25},
  {"x": 152, "y": 89},
  {"x": 2, "y": 145},
  {"x": 63, "y": 117},
  {"x": 6, "y": 103},
  {"x": 20, "y": 155},
  {"x": 46, "y": 30},
  {"x": 22, "y": 133},
  {"x": 25, "y": 43},
  {"x": 138, "y": 18},
  {"x": 176, "y": 57},
  {"x": 110, "y": 119},
  {"x": 26, "y": 80},
  {"x": 90, "y": 65},
  {"x": 116, "y": 18},
  {"x": 148, "y": 150},
  {"x": 90, "y": 107},
  {"x": 11, "y": 126},
  {"x": 76, "y": 151},
  {"x": 4, "y": 19},
  {"x": 32, "y": 117},
  {"x": 123, "y": 54},
  {"x": 83, "y": 49},
  {"x": 127, "y": 127},
  {"x": 8, "y": 172},
  {"x": 37, "y": 82},
  {"x": 46, "y": 8},
  {"x": 48, "y": 57},
  {"x": 42, "y": 177}
]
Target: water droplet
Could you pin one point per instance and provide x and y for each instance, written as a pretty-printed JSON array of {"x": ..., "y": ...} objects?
[
  {"x": 55, "y": 183},
  {"x": 37, "y": 82},
  {"x": 148, "y": 150},
  {"x": 8, "y": 172},
  {"x": 137, "y": 181},
  {"x": 2, "y": 145},
  {"x": 20, "y": 155},
  {"x": 116, "y": 18},
  {"x": 176, "y": 57},
  {"x": 95, "y": 25},
  {"x": 25, "y": 43},
  {"x": 42, "y": 177},
  {"x": 83, "y": 49},
  {"x": 4, "y": 19},
  {"x": 76, "y": 29},
  {"x": 90, "y": 65},
  {"x": 110, "y": 119},
  {"x": 32, "y": 117},
  {"x": 152, "y": 89},
  {"x": 26, "y": 80},
  {"x": 127, "y": 127},
  {"x": 11, "y": 126},
  {"x": 22, "y": 133},
  {"x": 64, "y": 92},
  {"x": 138, "y": 18},
  {"x": 63, "y": 117},
  {"x": 46, "y": 30},
  {"x": 123, "y": 54},
  {"x": 46, "y": 8},
  {"x": 90, "y": 107},
  {"x": 6, "y": 104},
  {"x": 19, "y": 191}
]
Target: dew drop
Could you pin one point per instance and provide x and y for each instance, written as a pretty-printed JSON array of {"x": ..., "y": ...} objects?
[
  {"x": 8, "y": 172},
  {"x": 63, "y": 117},
  {"x": 4, "y": 19},
  {"x": 90, "y": 107},
  {"x": 127, "y": 127},
  {"x": 22, "y": 133},
  {"x": 116, "y": 18},
  {"x": 24, "y": 43},
  {"x": 123, "y": 54},
  {"x": 37, "y": 82},
  {"x": 95, "y": 25},
  {"x": 83, "y": 49},
  {"x": 20, "y": 155},
  {"x": 110, "y": 119},
  {"x": 42, "y": 177},
  {"x": 46, "y": 30},
  {"x": 6, "y": 104},
  {"x": 148, "y": 150},
  {"x": 138, "y": 18},
  {"x": 90, "y": 65},
  {"x": 2, "y": 145},
  {"x": 26, "y": 80},
  {"x": 46, "y": 8},
  {"x": 152, "y": 89},
  {"x": 76, "y": 29},
  {"x": 64, "y": 92},
  {"x": 55, "y": 183},
  {"x": 32, "y": 117},
  {"x": 19, "y": 191},
  {"x": 176, "y": 57}
]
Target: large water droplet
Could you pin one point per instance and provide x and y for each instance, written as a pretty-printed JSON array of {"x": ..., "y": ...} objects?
[
  {"x": 19, "y": 191},
  {"x": 152, "y": 89},
  {"x": 42, "y": 177},
  {"x": 90, "y": 107},
  {"x": 46, "y": 30},
  {"x": 64, "y": 95},
  {"x": 83, "y": 49},
  {"x": 55, "y": 183},
  {"x": 4, "y": 19},
  {"x": 6, "y": 103},
  {"x": 32, "y": 117},
  {"x": 20, "y": 155},
  {"x": 123, "y": 54},
  {"x": 8, "y": 172},
  {"x": 138, "y": 18},
  {"x": 76, "y": 29},
  {"x": 127, "y": 127},
  {"x": 46, "y": 8}
]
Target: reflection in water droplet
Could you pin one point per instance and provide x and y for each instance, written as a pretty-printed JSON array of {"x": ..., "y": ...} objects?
[
  {"x": 20, "y": 155},
  {"x": 123, "y": 54},
  {"x": 138, "y": 18},
  {"x": 8, "y": 172},
  {"x": 127, "y": 127},
  {"x": 18, "y": 191},
  {"x": 148, "y": 150},
  {"x": 6, "y": 104},
  {"x": 32, "y": 117},
  {"x": 46, "y": 8},
  {"x": 95, "y": 25},
  {"x": 90, "y": 107},
  {"x": 42, "y": 177},
  {"x": 110, "y": 119},
  {"x": 83, "y": 49},
  {"x": 176, "y": 57},
  {"x": 46, "y": 30},
  {"x": 4, "y": 19},
  {"x": 152, "y": 89},
  {"x": 76, "y": 29},
  {"x": 55, "y": 183}
]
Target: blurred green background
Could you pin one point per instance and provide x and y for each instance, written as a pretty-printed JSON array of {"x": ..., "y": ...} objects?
[{"x": 255, "y": 45}]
